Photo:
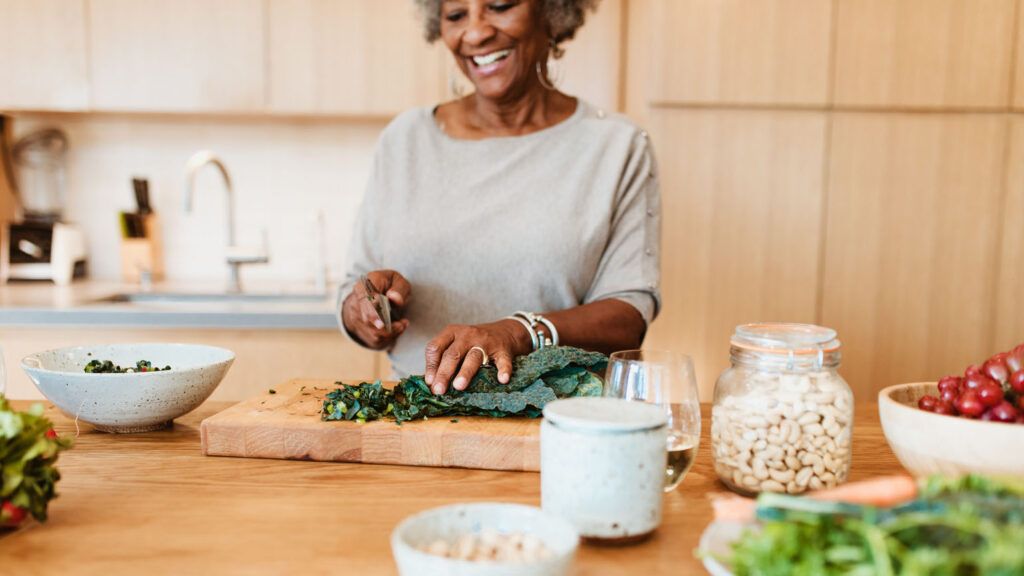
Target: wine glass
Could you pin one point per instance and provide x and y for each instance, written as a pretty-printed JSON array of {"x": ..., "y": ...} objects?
[{"x": 665, "y": 378}]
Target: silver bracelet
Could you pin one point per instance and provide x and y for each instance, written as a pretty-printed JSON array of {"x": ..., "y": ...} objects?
[
  {"x": 534, "y": 340},
  {"x": 533, "y": 320},
  {"x": 551, "y": 329}
]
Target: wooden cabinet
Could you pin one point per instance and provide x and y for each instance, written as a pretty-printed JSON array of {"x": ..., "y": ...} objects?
[
  {"x": 350, "y": 57},
  {"x": 1018, "y": 87},
  {"x": 306, "y": 57},
  {"x": 592, "y": 63},
  {"x": 927, "y": 53},
  {"x": 359, "y": 57},
  {"x": 43, "y": 55},
  {"x": 741, "y": 226},
  {"x": 1009, "y": 311},
  {"x": 263, "y": 358},
  {"x": 181, "y": 56},
  {"x": 914, "y": 213},
  {"x": 740, "y": 51}
]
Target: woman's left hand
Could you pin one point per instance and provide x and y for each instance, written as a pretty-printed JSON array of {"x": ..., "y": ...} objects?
[{"x": 451, "y": 352}]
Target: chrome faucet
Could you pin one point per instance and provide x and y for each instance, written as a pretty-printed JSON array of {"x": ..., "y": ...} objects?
[{"x": 236, "y": 255}]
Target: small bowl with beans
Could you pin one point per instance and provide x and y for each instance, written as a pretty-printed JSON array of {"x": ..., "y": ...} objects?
[{"x": 484, "y": 539}]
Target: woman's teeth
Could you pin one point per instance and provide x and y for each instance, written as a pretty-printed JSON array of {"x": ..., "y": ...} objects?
[{"x": 490, "y": 58}]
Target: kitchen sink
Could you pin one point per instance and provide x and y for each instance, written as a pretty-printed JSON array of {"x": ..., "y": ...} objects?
[{"x": 210, "y": 297}]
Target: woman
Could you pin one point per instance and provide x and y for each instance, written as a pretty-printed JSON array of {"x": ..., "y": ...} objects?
[{"x": 514, "y": 198}]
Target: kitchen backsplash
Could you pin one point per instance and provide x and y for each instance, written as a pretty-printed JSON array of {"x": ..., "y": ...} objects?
[{"x": 283, "y": 171}]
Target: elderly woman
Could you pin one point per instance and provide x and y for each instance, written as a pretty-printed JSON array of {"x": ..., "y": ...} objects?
[{"x": 508, "y": 218}]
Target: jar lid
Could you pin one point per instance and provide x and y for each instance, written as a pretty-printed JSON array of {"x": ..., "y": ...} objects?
[
  {"x": 785, "y": 338},
  {"x": 603, "y": 415}
]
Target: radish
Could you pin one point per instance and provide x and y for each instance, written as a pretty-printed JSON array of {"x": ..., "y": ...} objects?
[{"x": 11, "y": 516}]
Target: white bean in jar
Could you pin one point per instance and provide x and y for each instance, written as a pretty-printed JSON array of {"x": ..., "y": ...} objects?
[{"x": 781, "y": 430}]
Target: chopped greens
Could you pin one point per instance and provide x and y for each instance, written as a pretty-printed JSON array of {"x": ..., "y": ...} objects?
[
  {"x": 538, "y": 378},
  {"x": 107, "y": 366},
  {"x": 28, "y": 453},
  {"x": 969, "y": 525}
]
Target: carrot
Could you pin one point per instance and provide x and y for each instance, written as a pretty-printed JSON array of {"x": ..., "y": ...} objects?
[{"x": 881, "y": 492}]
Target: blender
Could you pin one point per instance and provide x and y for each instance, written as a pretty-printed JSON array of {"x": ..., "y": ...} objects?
[{"x": 41, "y": 246}]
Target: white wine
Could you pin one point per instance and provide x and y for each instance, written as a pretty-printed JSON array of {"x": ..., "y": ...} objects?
[{"x": 682, "y": 450}]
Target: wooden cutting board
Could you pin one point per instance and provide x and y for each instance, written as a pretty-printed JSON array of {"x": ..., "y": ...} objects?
[{"x": 287, "y": 425}]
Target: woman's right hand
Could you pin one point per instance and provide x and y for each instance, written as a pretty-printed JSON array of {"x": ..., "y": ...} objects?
[{"x": 360, "y": 317}]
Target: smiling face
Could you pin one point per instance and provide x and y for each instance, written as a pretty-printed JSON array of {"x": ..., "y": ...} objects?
[{"x": 496, "y": 43}]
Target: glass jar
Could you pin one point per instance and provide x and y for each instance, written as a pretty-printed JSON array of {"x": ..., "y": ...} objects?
[
  {"x": 602, "y": 466},
  {"x": 782, "y": 417}
]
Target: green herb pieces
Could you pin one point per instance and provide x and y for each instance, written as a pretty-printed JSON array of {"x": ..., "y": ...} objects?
[
  {"x": 272, "y": 391},
  {"x": 969, "y": 525},
  {"x": 538, "y": 378},
  {"x": 108, "y": 367},
  {"x": 28, "y": 452}
]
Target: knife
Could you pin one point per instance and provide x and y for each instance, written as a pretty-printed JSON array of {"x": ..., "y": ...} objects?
[
  {"x": 141, "y": 186},
  {"x": 379, "y": 302}
]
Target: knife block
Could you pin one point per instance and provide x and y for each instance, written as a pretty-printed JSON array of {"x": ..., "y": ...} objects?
[{"x": 139, "y": 255}]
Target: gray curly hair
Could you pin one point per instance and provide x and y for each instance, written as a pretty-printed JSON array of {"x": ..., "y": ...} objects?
[{"x": 563, "y": 18}]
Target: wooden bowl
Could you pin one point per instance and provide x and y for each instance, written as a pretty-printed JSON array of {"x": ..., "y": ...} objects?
[{"x": 928, "y": 443}]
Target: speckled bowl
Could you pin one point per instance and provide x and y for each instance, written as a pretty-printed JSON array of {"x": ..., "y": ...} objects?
[
  {"x": 133, "y": 402},
  {"x": 449, "y": 522}
]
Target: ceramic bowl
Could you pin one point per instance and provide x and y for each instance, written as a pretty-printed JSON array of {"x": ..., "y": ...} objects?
[
  {"x": 928, "y": 443},
  {"x": 449, "y": 522},
  {"x": 132, "y": 402}
]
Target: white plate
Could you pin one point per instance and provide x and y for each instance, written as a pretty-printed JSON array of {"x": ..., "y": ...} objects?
[{"x": 717, "y": 539}]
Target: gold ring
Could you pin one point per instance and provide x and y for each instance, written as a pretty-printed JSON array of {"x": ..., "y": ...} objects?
[{"x": 487, "y": 359}]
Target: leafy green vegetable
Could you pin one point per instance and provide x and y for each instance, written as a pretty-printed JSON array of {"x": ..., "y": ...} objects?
[
  {"x": 107, "y": 366},
  {"x": 960, "y": 526},
  {"x": 538, "y": 378},
  {"x": 28, "y": 451}
]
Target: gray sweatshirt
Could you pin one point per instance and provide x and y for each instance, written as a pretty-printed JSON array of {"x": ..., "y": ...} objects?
[{"x": 482, "y": 228}]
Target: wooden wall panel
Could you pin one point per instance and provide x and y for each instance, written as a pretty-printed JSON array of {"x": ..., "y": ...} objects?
[
  {"x": 263, "y": 358},
  {"x": 927, "y": 53},
  {"x": 1009, "y": 316},
  {"x": 592, "y": 62},
  {"x": 913, "y": 217},
  {"x": 43, "y": 55},
  {"x": 350, "y": 57},
  {"x": 741, "y": 226},
  {"x": 639, "y": 68},
  {"x": 185, "y": 56},
  {"x": 1018, "y": 89},
  {"x": 768, "y": 51}
]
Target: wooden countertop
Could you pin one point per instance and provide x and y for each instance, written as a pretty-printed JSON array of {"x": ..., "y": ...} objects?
[{"x": 152, "y": 503}]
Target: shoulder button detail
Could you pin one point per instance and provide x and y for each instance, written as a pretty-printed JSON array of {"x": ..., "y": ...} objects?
[
  {"x": 600, "y": 113},
  {"x": 650, "y": 212},
  {"x": 643, "y": 134}
]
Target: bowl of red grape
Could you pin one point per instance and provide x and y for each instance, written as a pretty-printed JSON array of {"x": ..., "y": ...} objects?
[{"x": 962, "y": 423}]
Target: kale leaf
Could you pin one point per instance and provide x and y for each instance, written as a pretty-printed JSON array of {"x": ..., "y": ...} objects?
[{"x": 538, "y": 378}]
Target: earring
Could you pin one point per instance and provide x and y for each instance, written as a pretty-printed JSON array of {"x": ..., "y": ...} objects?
[
  {"x": 550, "y": 75},
  {"x": 456, "y": 88}
]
